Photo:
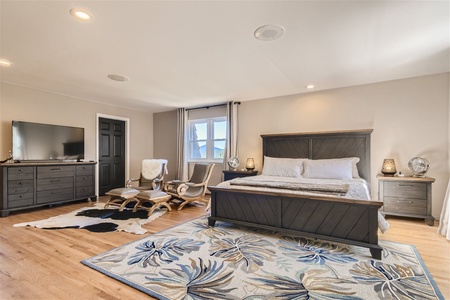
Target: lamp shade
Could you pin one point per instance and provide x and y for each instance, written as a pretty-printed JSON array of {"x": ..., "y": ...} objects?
[
  {"x": 250, "y": 164},
  {"x": 389, "y": 168}
]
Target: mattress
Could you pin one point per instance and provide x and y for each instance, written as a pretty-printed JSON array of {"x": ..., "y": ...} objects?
[{"x": 357, "y": 188}]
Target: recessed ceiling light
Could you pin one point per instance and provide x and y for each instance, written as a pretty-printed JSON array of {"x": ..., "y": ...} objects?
[
  {"x": 310, "y": 86},
  {"x": 118, "y": 77},
  {"x": 81, "y": 14},
  {"x": 5, "y": 63},
  {"x": 269, "y": 32}
]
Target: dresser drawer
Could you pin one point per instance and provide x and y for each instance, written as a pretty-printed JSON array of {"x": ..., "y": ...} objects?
[
  {"x": 54, "y": 195},
  {"x": 20, "y": 173},
  {"x": 55, "y": 171},
  {"x": 85, "y": 191},
  {"x": 407, "y": 206},
  {"x": 84, "y": 181},
  {"x": 45, "y": 184},
  {"x": 408, "y": 190},
  {"x": 20, "y": 186},
  {"x": 85, "y": 170},
  {"x": 20, "y": 200}
]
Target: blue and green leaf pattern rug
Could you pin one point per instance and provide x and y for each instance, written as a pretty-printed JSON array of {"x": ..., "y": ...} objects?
[{"x": 195, "y": 261}]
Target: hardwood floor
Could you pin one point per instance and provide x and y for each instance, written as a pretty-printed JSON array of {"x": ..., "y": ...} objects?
[{"x": 45, "y": 264}]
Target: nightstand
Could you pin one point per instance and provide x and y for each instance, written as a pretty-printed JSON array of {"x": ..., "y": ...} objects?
[
  {"x": 228, "y": 174},
  {"x": 406, "y": 197}
]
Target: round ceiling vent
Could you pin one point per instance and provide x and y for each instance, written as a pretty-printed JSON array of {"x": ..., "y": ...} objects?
[
  {"x": 117, "y": 77},
  {"x": 269, "y": 32}
]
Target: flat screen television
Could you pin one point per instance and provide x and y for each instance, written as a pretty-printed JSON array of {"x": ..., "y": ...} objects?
[{"x": 45, "y": 142}]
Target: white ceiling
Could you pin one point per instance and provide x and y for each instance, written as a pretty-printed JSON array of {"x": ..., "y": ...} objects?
[{"x": 193, "y": 53}]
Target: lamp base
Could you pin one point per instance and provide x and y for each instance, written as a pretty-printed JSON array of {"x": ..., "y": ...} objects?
[
  {"x": 389, "y": 174},
  {"x": 250, "y": 169}
]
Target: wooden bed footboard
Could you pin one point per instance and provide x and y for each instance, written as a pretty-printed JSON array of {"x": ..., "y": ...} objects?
[{"x": 353, "y": 222}]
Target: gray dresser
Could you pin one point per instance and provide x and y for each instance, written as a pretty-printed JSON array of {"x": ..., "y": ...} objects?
[
  {"x": 406, "y": 197},
  {"x": 28, "y": 185}
]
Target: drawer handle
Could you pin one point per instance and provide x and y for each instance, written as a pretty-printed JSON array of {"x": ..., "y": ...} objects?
[
  {"x": 55, "y": 180},
  {"x": 55, "y": 169},
  {"x": 404, "y": 185},
  {"x": 404, "y": 201}
]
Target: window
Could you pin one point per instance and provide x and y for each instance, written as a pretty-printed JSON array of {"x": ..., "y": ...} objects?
[{"x": 207, "y": 139}]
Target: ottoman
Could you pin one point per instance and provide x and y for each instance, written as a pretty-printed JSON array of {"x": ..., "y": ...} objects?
[
  {"x": 155, "y": 198},
  {"x": 121, "y": 197}
]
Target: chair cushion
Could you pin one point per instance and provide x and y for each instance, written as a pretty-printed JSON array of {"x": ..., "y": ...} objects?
[
  {"x": 122, "y": 192},
  {"x": 151, "y": 194}
]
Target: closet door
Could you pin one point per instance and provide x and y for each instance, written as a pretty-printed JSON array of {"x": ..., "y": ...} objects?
[{"x": 111, "y": 155}]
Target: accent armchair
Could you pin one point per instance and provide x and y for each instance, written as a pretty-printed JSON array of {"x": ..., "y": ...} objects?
[
  {"x": 193, "y": 190},
  {"x": 151, "y": 176}
]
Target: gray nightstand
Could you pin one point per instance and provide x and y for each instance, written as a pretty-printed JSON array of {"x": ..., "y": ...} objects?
[
  {"x": 406, "y": 197},
  {"x": 228, "y": 174}
]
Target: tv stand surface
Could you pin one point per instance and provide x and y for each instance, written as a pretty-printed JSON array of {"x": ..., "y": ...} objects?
[{"x": 34, "y": 184}]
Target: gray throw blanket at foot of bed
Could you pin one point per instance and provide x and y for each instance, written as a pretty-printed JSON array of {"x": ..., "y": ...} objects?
[{"x": 330, "y": 189}]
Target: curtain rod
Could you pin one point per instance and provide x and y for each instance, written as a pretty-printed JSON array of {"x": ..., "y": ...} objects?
[{"x": 209, "y": 106}]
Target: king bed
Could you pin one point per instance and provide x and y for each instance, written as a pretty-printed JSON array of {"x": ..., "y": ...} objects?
[{"x": 312, "y": 184}]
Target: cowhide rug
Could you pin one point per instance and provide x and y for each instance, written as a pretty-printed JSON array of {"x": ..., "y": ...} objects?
[{"x": 98, "y": 219}]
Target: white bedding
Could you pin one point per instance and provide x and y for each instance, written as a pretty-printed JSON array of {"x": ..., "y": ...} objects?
[{"x": 358, "y": 189}]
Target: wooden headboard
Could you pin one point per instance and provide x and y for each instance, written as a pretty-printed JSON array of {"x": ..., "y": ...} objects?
[{"x": 322, "y": 145}]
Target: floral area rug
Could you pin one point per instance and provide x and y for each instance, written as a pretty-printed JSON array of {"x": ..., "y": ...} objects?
[
  {"x": 98, "y": 219},
  {"x": 194, "y": 261}
]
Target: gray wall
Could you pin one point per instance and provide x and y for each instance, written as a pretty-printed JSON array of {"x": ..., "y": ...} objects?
[
  {"x": 165, "y": 140},
  {"x": 31, "y": 105},
  {"x": 409, "y": 117}
]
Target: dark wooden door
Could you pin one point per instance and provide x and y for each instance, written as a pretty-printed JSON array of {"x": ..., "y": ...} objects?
[{"x": 111, "y": 155}]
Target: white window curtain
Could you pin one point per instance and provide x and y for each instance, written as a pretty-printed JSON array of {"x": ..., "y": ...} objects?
[
  {"x": 231, "y": 147},
  {"x": 182, "y": 166},
  {"x": 444, "y": 220}
]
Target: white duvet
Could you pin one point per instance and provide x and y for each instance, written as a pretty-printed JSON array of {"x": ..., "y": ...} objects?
[{"x": 358, "y": 189}]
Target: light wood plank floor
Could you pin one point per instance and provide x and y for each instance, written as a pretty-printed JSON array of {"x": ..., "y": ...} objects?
[{"x": 45, "y": 264}]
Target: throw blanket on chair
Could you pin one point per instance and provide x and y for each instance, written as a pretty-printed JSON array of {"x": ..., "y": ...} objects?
[
  {"x": 329, "y": 189},
  {"x": 151, "y": 168}
]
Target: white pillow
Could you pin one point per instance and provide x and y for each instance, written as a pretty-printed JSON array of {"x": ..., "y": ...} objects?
[
  {"x": 285, "y": 167},
  {"x": 328, "y": 169},
  {"x": 354, "y": 160}
]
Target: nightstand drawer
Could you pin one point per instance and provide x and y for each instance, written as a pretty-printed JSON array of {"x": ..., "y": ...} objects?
[
  {"x": 229, "y": 175},
  {"x": 414, "y": 190},
  {"x": 407, "y": 206}
]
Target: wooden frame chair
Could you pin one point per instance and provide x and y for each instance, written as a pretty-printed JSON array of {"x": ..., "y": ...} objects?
[
  {"x": 193, "y": 190},
  {"x": 151, "y": 176}
]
